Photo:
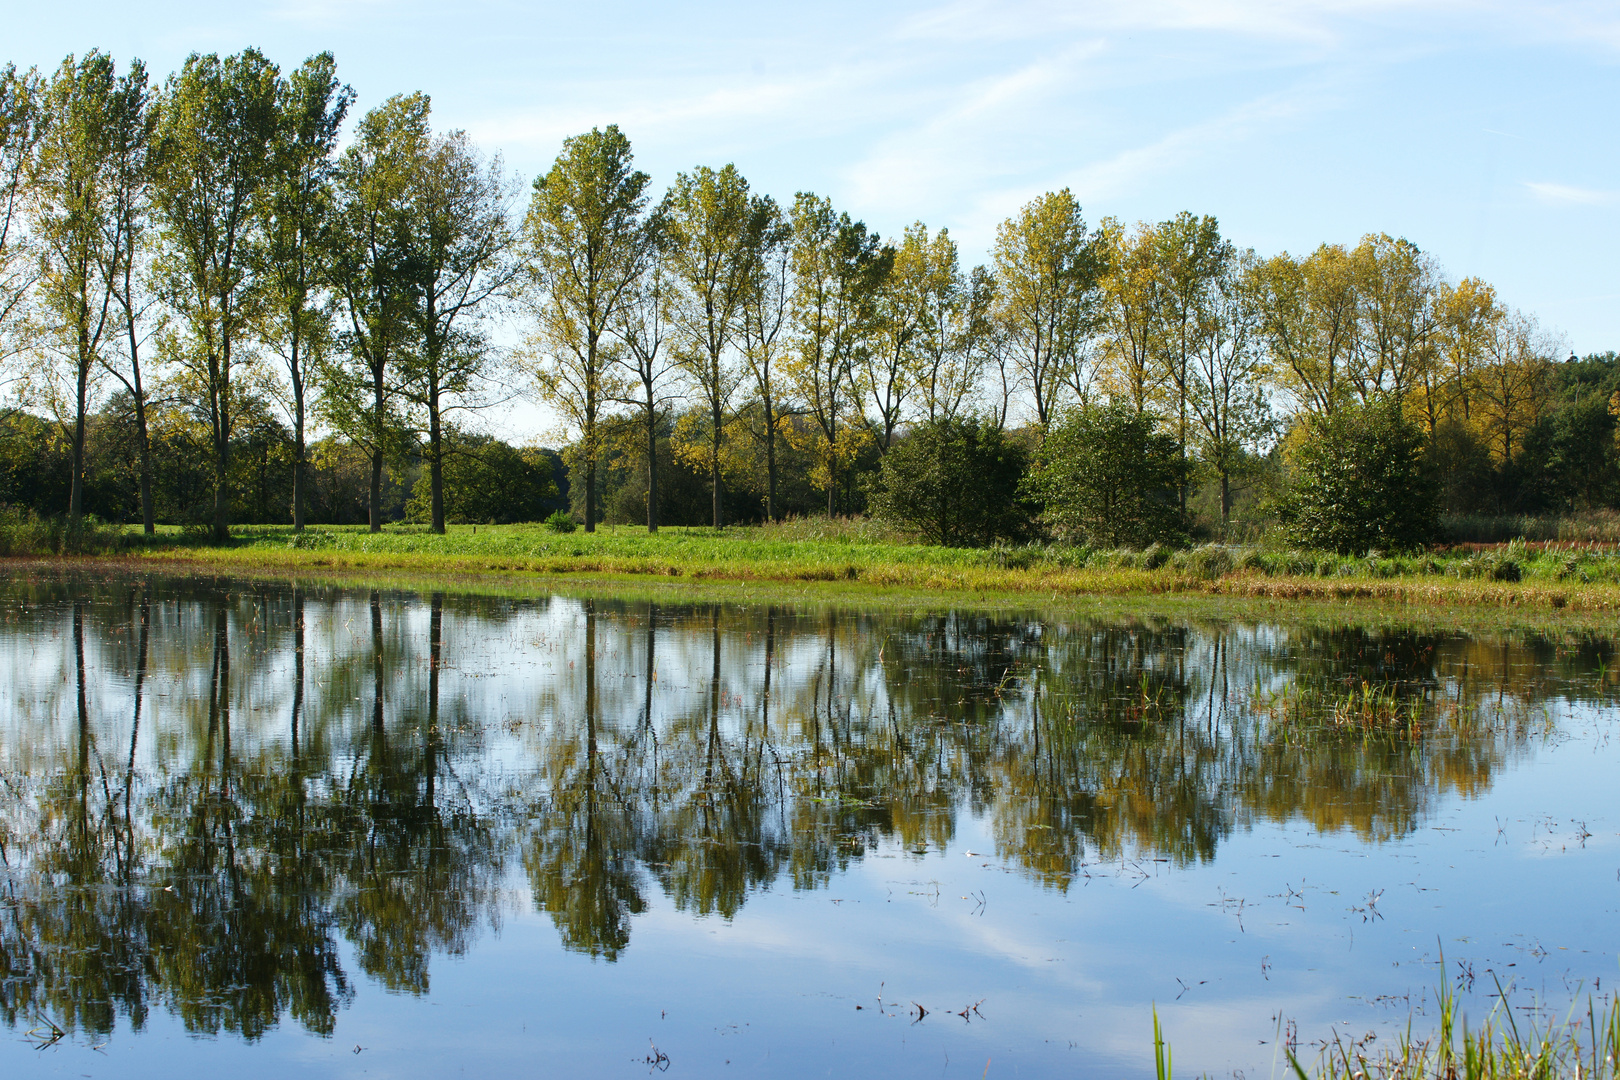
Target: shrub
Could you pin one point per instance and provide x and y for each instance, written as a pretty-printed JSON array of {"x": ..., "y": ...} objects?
[
  {"x": 23, "y": 532},
  {"x": 1209, "y": 561},
  {"x": 485, "y": 479},
  {"x": 561, "y": 522},
  {"x": 954, "y": 482},
  {"x": 1358, "y": 483},
  {"x": 1108, "y": 476},
  {"x": 311, "y": 539}
]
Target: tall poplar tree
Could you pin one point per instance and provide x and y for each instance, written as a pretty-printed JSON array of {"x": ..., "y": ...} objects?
[
  {"x": 1132, "y": 315},
  {"x": 457, "y": 263},
  {"x": 374, "y": 180},
  {"x": 764, "y": 332},
  {"x": 1192, "y": 258},
  {"x": 213, "y": 157},
  {"x": 298, "y": 236},
  {"x": 133, "y": 126},
  {"x": 19, "y": 132},
  {"x": 70, "y": 184},
  {"x": 643, "y": 331},
  {"x": 588, "y": 238},
  {"x": 837, "y": 269},
  {"x": 888, "y": 368},
  {"x": 1309, "y": 312},
  {"x": 1047, "y": 267},
  {"x": 1227, "y": 373},
  {"x": 1397, "y": 286},
  {"x": 947, "y": 357},
  {"x": 711, "y": 229}
]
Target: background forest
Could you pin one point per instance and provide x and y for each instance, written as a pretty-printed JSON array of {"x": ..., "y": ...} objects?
[{"x": 222, "y": 302}]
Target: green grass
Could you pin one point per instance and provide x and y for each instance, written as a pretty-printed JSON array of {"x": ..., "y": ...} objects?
[
  {"x": 1574, "y": 576},
  {"x": 1585, "y": 1045}
]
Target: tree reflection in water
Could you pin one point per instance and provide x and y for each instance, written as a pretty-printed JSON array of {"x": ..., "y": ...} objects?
[{"x": 183, "y": 848}]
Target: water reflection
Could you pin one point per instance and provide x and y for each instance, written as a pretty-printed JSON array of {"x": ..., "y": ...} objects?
[{"x": 213, "y": 793}]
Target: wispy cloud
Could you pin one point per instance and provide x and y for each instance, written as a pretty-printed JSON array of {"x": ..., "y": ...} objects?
[
  {"x": 1569, "y": 195},
  {"x": 1313, "y": 20},
  {"x": 1113, "y": 176},
  {"x": 326, "y": 14},
  {"x": 986, "y": 128}
]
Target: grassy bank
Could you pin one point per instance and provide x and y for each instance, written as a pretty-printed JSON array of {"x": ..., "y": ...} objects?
[{"x": 1572, "y": 576}]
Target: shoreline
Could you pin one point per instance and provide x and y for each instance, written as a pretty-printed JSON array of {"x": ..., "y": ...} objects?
[{"x": 1404, "y": 600}]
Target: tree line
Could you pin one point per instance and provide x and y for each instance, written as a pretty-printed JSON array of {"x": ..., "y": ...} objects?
[{"x": 203, "y": 284}]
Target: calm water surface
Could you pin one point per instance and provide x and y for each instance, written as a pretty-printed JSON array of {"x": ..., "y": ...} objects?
[{"x": 251, "y": 828}]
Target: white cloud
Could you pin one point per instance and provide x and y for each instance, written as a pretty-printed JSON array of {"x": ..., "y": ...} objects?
[{"x": 1568, "y": 195}]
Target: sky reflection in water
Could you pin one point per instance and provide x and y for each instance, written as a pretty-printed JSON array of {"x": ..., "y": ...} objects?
[{"x": 351, "y": 831}]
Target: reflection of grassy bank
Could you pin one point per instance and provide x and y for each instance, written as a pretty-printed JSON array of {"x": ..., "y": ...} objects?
[{"x": 1580, "y": 579}]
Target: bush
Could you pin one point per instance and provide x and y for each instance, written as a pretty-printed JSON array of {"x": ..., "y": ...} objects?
[
  {"x": 311, "y": 539},
  {"x": 1208, "y": 562},
  {"x": 1358, "y": 483},
  {"x": 561, "y": 522},
  {"x": 23, "y": 532},
  {"x": 954, "y": 482},
  {"x": 485, "y": 479},
  {"x": 1108, "y": 476}
]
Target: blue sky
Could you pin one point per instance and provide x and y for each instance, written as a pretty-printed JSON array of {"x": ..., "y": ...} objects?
[{"x": 1484, "y": 132}]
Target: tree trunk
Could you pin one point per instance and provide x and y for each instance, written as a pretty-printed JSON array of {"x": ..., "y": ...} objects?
[
  {"x": 832, "y": 466},
  {"x": 298, "y": 436},
  {"x": 298, "y": 476},
  {"x": 590, "y": 492},
  {"x": 652, "y": 464},
  {"x": 770, "y": 462},
  {"x": 714, "y": 468},
  {"x": 76, "y": 491},
  {"x": 435, "y": 459},
  {"x": 375, "y": 507},
  {"x": 222, "y": 500},
  {"x": 377, "y": 452},
  {"x": 148, "y": 519}
]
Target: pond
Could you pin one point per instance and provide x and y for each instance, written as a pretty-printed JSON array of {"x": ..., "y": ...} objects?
[{"x": 250, "y": 827}]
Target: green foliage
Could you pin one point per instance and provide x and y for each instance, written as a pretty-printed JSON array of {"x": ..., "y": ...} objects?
[
  {"x": 1358, "y": 482},
  {"x": 561, "y": 522},
  {"x": 23, "y": 533},
  {"x": 486, "y": 479},
  {"x": 212, "y": 159},
  {"x": 955, "y": 482},
  {"x": 1107, "y": 476}
]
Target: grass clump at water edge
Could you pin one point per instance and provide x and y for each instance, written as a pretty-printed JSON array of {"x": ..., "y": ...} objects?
[{"x": 1585, "y": 1045}]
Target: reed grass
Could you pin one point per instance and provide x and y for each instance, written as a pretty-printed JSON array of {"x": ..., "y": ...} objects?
[{"x": 1584, "y": 1045}]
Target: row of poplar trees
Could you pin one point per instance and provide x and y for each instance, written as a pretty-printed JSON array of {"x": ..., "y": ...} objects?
[{"x": 213, "y": 225}]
